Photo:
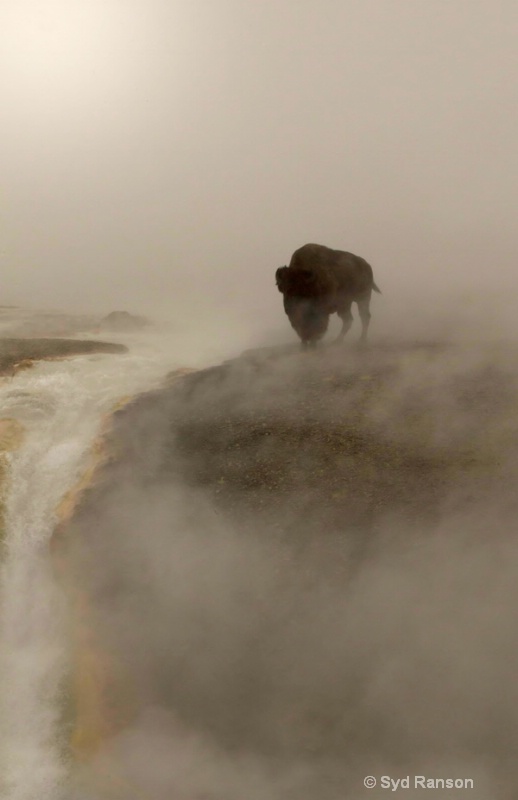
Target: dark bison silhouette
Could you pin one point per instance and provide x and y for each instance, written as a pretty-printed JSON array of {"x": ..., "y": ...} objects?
[{"x": 319, "y": 282}]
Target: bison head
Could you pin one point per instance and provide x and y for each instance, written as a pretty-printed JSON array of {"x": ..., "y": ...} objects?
[
  {"x": 306, "y": 300},
  {"x": 306, "y": 317}
]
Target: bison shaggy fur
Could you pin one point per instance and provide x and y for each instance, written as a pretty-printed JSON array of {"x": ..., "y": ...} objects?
[{"x": 319, "y": 282}]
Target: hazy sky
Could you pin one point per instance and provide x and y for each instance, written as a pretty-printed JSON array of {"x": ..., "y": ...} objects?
[{"x": 150, "y": 145}]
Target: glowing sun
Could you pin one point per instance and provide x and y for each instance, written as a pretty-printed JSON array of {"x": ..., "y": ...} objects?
[{"x": 58, "y": 47}]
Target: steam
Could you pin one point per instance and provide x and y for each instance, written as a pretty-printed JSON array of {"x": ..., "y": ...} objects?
[
  {"x": 61, "y": 405},
  {"x": 166, "y": 158},
  {"x": 172, "y": 156},
  {"x": 269, "y": 657}
]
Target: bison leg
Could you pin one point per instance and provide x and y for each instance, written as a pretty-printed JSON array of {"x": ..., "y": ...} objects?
[
  {"x": 346, "y": 316},
  {"x": 365, "y": 316}
]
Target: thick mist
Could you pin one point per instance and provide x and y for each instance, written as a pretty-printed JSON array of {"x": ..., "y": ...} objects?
[
  {"x": 298, "y": 569},
  {"x": 167, "y": 157},
  {"x": 284, "y": 616}
]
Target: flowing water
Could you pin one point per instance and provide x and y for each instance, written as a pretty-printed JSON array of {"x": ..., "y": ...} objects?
[{"x": 61, "y": 406}]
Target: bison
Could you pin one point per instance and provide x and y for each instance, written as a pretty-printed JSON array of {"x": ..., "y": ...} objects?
[{"x": 319, "y": 282}]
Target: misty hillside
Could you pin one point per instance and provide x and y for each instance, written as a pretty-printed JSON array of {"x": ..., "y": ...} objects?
[{"x": 302, "y": 570}]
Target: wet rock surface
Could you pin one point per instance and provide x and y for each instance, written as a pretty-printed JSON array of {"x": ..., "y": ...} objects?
[
  {"x": 326, "y": 442},
  {"x": 15, "y": 351},
  {"x": 305, "y": 557}
]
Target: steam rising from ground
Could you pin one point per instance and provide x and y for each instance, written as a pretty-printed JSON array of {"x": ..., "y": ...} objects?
[
  {"x": 168, "y": 157},
  {"x": 268, "y": 664},
  {"x": 61, "y": 406}
]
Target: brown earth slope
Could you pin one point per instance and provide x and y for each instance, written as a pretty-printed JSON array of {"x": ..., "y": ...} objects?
[
  {"x": 324, "y": 443},
  {"x": 309, "y": 559}
]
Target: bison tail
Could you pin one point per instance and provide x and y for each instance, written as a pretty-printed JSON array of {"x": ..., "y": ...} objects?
[{"x": 376, "y": 288}]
